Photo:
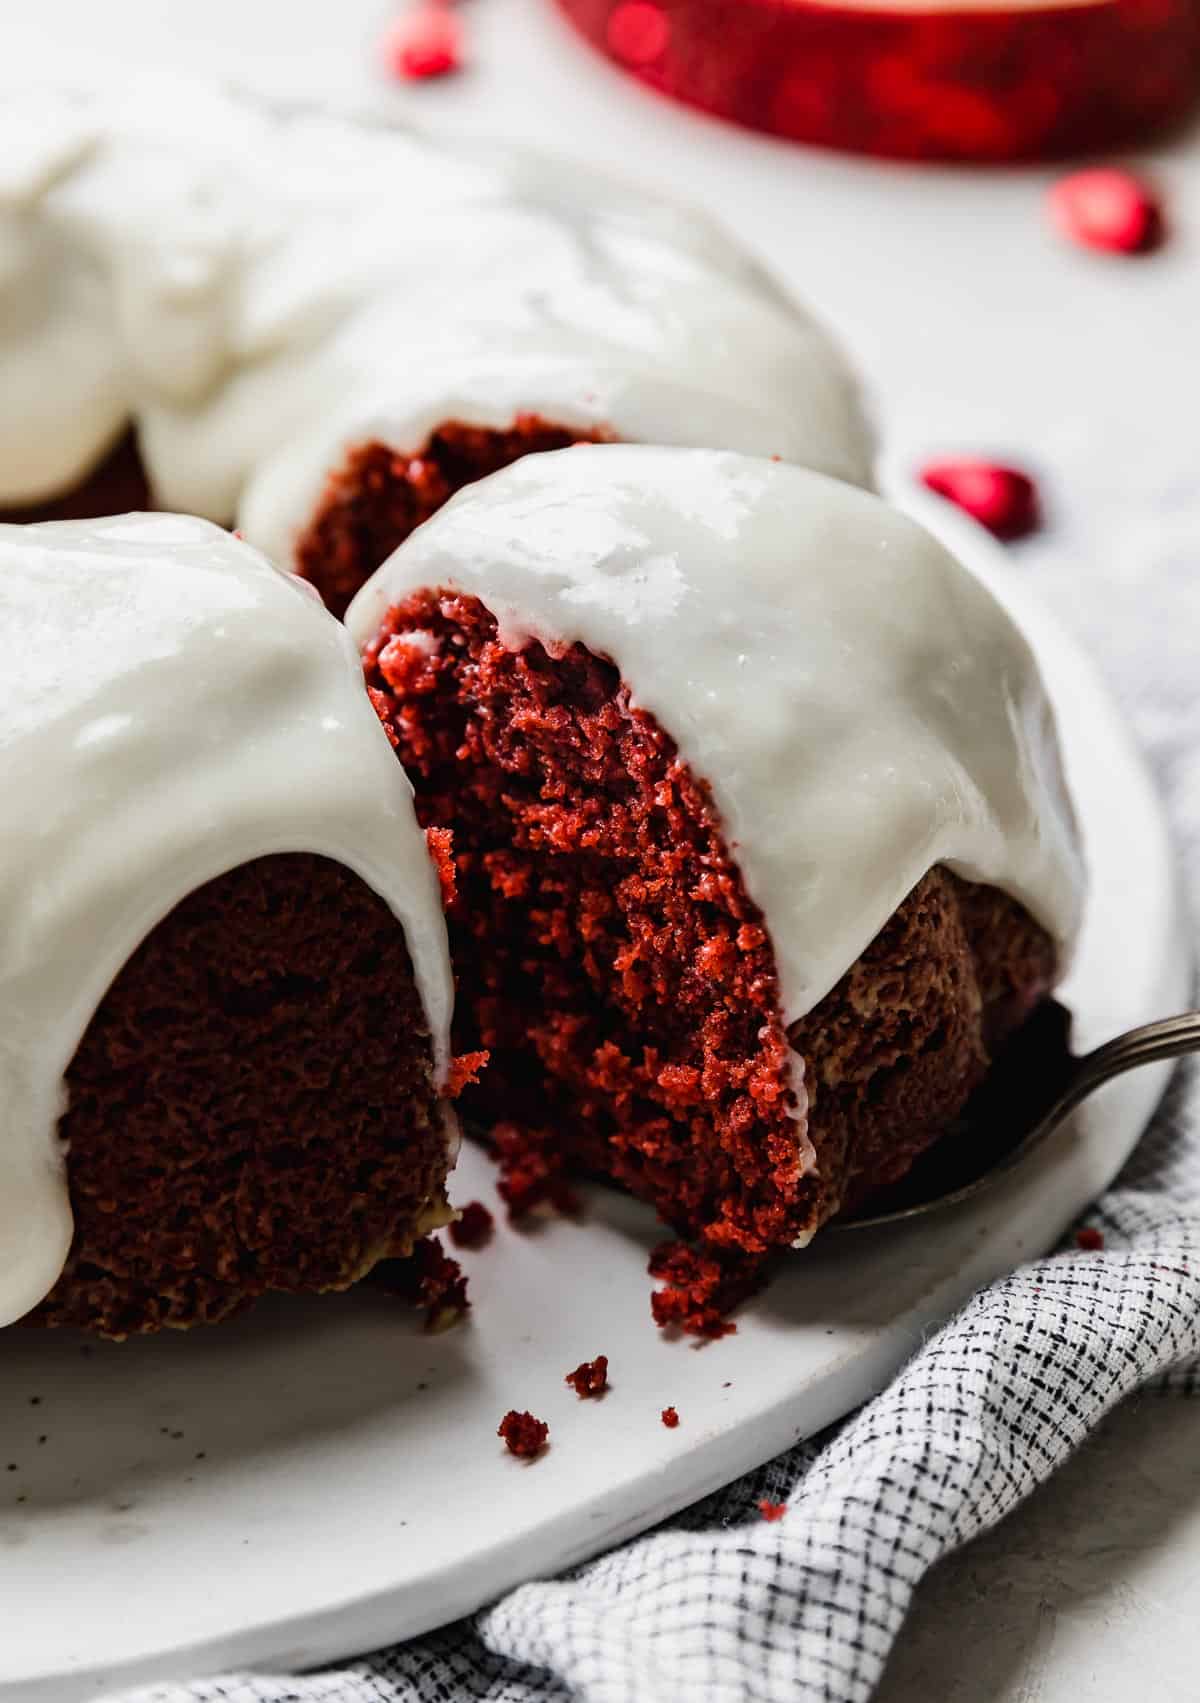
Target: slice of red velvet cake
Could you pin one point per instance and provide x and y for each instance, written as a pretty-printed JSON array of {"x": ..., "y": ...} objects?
[
  {"x": 761, "y": 841},
  {"x": 224, "y": 987}
]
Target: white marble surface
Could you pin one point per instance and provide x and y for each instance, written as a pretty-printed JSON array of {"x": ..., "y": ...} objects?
[{"x": 979, "y": 330}]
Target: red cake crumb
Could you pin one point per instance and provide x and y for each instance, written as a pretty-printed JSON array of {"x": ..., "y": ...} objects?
[
  {"x": 429, "y": 1278},
  {"x": 533, "y": 1171},
  {"x": 1090, "y": 1239},
  {"x": 700, "y": 1288},
  {"x": 772, "y": 1511},
  {"x": 1104, "y": 207},
  {"x": 1001, "y": 498},
  {"x": 441, "y": 849},
  {"x": 523, "y": 1435},
  {"x": 379, "y": 704},
  {"x": 670, "y": 1418},
  {"x": 443, "y": 1289},
  {"x": 464, "y": 1069},
  {"x": 473, "y": 1226},
  {"x": 423, "y": 43},
  {"x": 590, "y": 1377}
]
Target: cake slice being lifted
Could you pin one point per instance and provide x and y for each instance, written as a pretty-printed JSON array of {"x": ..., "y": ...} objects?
[{"x": 761, "y": 838}]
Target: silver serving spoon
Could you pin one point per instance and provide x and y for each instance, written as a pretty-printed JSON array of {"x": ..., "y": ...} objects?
[{"x": 1038, "y": 1084}]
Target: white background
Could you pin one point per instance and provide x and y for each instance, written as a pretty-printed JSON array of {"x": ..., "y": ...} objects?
[{"x": 978, "y": 330}]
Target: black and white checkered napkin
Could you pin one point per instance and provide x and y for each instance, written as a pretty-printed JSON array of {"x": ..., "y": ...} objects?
[{"x": 718, "y": 1606}]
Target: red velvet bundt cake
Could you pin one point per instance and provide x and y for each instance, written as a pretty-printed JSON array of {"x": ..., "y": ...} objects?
[
  {"x": 319, "y": 329},
  {"x": 761, "y": 841},
  {"x": 223, "y": 974}
]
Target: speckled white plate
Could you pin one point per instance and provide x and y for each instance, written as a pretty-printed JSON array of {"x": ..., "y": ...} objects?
[{"x": 320, "y": 1478}]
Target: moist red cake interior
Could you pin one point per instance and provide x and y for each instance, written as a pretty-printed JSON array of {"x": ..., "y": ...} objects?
[
  {"x": 612, "y": 962},
  {"x": 608, "y": 956},
  {"x": 372, "y": 503},
  {"x": 251, "y": 1108}
]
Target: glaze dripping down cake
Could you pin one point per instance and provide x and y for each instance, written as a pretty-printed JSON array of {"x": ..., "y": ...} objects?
[
  {"x": 762, "y": 844},
  {"x": 317, "y": 329},
  {"x": 224, "y": 987}
]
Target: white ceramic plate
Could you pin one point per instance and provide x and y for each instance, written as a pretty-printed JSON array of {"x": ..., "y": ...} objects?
[{"x": 320, "y": 1478}]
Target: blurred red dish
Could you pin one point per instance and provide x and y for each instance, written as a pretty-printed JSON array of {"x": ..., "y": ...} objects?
[{"x": 956, "y": 81}]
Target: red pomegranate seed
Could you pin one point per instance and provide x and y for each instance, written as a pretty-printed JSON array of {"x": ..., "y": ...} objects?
[
  {"x": 669, "y": 1418},
  {"x": 772, "y": 1511},
  {"x": 1089, "y": 1239},
  {"x": 1000, "y": 498},
  {"x": 426, "y": 42},
  {"x": 637, "y": 32},
  {"x": 1107, "y": 208}
]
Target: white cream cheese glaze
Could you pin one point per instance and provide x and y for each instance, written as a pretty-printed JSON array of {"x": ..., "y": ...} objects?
[
  {"x": 171, "y": 705},
  {"x": 258, "y": 290},
  {"x": 861, "y": 707}
]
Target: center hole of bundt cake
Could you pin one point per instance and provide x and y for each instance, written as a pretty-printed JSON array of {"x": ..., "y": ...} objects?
[
  {"x": 606, "y": 950},
  {"x": 380, "y": 494}
]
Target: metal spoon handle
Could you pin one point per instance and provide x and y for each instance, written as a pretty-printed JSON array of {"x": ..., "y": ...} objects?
[{"x": 1168, "y": 1038}]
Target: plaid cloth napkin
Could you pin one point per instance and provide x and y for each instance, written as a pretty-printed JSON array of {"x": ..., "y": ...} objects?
[{"x": 718, "y": 1606}]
